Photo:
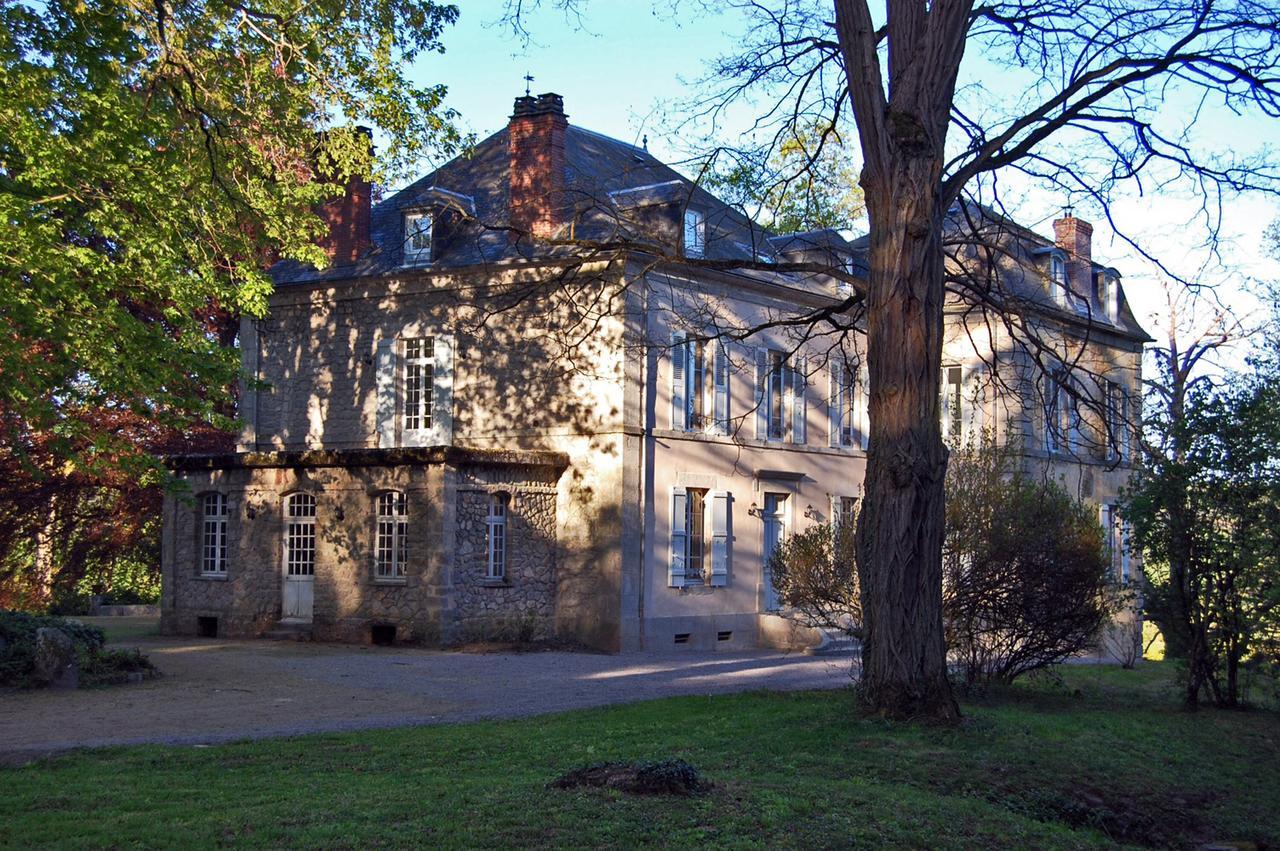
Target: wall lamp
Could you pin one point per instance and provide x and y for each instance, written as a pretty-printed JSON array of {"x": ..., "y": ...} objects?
[
  {"x": 809, "y": 512},
  {"x": 754, "y": 510}
]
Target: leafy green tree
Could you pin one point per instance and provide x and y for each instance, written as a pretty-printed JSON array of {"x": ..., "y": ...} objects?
[
  {"x": 808, "y": 181},
  {"x": 155, "y": 157},
  {"x": 1206, "y": 518}
]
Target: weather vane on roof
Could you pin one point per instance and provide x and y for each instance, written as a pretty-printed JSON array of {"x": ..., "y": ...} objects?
[{"x": 528, "y": 79}]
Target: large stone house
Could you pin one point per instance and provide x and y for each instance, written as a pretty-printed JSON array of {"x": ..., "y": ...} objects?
[{"x": 538, "y": 387}]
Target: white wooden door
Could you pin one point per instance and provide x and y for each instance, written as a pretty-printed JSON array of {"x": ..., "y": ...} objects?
[
  {"x": 774, "y": 516},
  {"x": 297, "y": 594}
]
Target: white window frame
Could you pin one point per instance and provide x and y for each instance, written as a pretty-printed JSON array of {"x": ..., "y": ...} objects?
[
  {"x": 300, "y": 534},
  {"x": 496, "y": 537},
  {"x": 414, "y": 229},
  {"x": 951, "y": 408},
  {"x": 391, "y": 530},
  {"x": 695, "y": 233},
  {"x": 213, "y": 535},
  {"x": 1058, "y": 279},
  {"x": 777, "y": 380},
  {"x": 419, "y": 377}
]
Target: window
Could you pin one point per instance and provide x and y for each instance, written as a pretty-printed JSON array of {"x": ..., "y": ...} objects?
[
  {"x": 951, "y": 408},
  {"x": 848, "y": 406},
  {"x": 694, "y": 573},
  {"x": 496, "y": 537},
  {"x": 699, "y": 538},
  {"x": 1063, "y": 424},
  {"x": 777, "y": 383},
  {"x": 417, "y": 238},
  {"x": 1116, "y": 536},
  {"x": 1058, "y": 279},
  {"x": 213, "y": 538},
  {"x": 846, "y": 510},
  {"x": 392, "y": 532},
  {"x": 695, "y": 233},
  {"x": 419, "y": 378},
  {"x": 300, "y": 535},
  {"x": 1109, "y": 296},
  {"x": 699, "y": 402},
  {"x": 1116, "y": 402}
]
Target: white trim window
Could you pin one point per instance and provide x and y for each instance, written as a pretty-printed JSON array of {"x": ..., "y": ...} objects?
[
  {"x": 695, "y": 233},
  {"x": 781, "y": 397},
  {"x": 775, "y": 390},
  {"x": 417, "y": 238},
  {"x": 300, "y": 535},
  {"x": 1109, "y": 296},
  {"x": 848, "y": 413},
  {"x": 699, "y": 402},
  {"x": 1116, "y": 405},
  {"x": 496, "y": 537},
  {"x": 419, "y": 383},
  {"x": 392, "y": 532},
  {"x": 213, "y": 535},
  {"x": 1116, "y": 533},
  {"x": 846, "y": 513},
  {"x": 1063, "y": 423},
  {"x": 700, "y": 521},
  {"x": 1058, "y": 279}
]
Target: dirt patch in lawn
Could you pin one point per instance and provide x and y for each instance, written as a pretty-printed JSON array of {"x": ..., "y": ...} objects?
[{"x": 667, "y": 777}]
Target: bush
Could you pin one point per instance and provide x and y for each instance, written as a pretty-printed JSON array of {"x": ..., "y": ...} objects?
[
  {"x": 1026, "y": 576},
  {"x": 816, "y": 577},
  {"x": 106, "y": 667},
  {"x": 18, "y": 643}
]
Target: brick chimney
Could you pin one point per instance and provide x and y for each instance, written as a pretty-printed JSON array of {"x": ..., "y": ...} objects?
[
  {"x": 347, "y": 218},
  {"x": 536, "y": 144},
  {"x": 1075, "y": 238}
]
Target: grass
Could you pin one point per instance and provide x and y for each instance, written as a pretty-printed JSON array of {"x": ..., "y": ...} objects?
[{"x": 1105, "y": 756}]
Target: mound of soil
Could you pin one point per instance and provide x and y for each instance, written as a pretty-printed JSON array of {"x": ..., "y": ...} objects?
[{"x": 667, "y": 777}]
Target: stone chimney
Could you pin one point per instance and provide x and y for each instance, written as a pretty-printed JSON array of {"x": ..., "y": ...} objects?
[
  {"x": 1075, "y": 238},
  {"x": 347, "y": 218},
  {"x": 536, "y": 144}
]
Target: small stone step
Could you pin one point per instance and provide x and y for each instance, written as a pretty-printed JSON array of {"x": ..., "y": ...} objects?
[{"x": 289, "y": 632}]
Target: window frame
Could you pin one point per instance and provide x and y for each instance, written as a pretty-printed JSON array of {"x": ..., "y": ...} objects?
[
  {"x": 417, "y": 414},
  {"x": 496, "y": 537},
  {"x": 391, "y": 530},
  {"x": 695, "y": 225},
  {"x": 221, "y": 522},
  {"x": 418, "y": 256},
  {"x": 697, "y": 503},
  {"x": 300, "y": 510}
]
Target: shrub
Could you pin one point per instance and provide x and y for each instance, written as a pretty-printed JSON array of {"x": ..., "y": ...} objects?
[
  {"x": 816, "y": 577},
  {"x": 18, "y": 643},
  {"x": 1026, "y": 577}
]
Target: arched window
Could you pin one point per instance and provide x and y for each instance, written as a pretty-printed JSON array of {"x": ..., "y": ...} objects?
[
  {"x": 496, "y": 524},
  {"x": 392, "y": 531},
  {"x": 213, "y": 535},
  {"x": 300, "y": 535}
]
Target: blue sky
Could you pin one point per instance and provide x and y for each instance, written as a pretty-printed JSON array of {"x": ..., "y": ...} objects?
[{"x": 625, "y": 63}]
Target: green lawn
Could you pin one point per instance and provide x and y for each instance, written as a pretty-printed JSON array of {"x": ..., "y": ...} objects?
[{"x": 1108, "y": 756}]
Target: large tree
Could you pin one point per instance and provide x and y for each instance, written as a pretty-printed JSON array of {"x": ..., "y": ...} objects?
[
  {"x": 1088, "y": 98},
  {"x": 154, "y": 158}
]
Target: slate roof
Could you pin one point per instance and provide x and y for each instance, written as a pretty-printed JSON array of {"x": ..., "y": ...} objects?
[{"x": 609, "y": 178}]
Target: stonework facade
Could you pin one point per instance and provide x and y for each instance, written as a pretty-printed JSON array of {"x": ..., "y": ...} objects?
[{"x": 467, "y": 432}]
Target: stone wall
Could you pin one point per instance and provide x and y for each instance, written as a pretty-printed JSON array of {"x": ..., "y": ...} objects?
[{"x": 441, "y": 585}]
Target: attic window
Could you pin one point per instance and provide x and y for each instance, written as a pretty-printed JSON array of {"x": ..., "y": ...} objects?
[
  {"x": 695, "y": 233},
  {"x": 1058, "y": 279},
  {"x": 1109, "y": 295},
  {"x": 417, "y": 238}
]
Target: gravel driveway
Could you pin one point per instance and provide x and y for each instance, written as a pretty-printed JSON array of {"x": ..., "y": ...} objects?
[{"x": 217, "y": 690}]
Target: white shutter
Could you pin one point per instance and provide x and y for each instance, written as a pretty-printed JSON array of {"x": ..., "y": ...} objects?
[
  {"x": 971, "y": 406},
  {"x": 799, "y": 400},
  {"x": 720, "y": 377},
  {"x": 834, "y": 373},
  {"x": 1108, "y": 538},
  {"x": 833, "y": 506},
  {"x": 679, "y": 380},
  {"x": 864, "y": 408},
  {"x": 385, "y": 367},
  {"x": 1125, "y": 532},
  {"x": 762, "y": 405},
  {"x": 679, "y": 536},
  {"x": 720, "y": 538},
  {"x": 442, "y": 390}
]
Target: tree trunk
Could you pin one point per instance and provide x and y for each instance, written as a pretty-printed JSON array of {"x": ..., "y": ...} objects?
[{"x": 904, "y": 654}]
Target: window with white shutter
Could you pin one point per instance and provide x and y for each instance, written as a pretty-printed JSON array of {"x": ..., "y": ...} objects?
[
  {"x": 679, "y": 382},
  {"x": 700, "y": 537},
  {"x": 720, "y": 382}
]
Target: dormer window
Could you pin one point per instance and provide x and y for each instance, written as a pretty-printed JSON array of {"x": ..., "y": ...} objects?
[
  {"x": 695, "y": 233},
  {"x": 1058, "y": 280},
  {"x": 1109, "y": 296},
  {"x": 417, "y": 238}
]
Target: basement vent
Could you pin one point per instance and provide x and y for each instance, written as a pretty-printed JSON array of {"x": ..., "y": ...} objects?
[
  {"x": 383, "y": 634},
  {"x": 724, "y": 635},
  {"x": 682, "y": 638},
  {"x": 207, "y": 627}
]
